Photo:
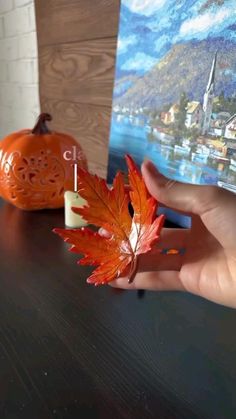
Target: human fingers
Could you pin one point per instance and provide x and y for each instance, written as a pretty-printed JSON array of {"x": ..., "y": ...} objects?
[
  {"x": 104, "y": 233},
  {"x": 171, "y": 238},
  {"x": 151, "y": 280},
  {"x": 173, "y": 194},
  {"x": 156, "y": 260},
  {"x": 215, "y": 206}
]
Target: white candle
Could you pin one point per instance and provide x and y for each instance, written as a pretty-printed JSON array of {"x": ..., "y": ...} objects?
[{"x": 73, "y": 199}]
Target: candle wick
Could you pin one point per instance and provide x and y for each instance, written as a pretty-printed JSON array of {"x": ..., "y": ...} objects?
[{"x": 75, "y": 178}]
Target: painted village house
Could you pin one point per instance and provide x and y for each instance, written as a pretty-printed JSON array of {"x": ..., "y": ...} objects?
[
  {"x": 218, "y": 122},
  {"x": 201, "y": 116},
  {"x": 230, "y": 128},
  {"x": 169, "y": 117},
  {"x": 193, "y": 115}
]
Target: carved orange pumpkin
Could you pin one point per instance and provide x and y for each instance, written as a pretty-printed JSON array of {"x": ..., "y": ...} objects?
[{"x": 34, "y": 172}]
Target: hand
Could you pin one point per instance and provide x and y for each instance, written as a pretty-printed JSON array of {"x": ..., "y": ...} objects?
[{"x": 208, "y": 267}]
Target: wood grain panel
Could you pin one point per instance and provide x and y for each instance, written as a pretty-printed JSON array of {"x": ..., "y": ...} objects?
[
  {"x": 88, "y": 124},
  {"x": 62, "y": 21},
  {"x": 81, "y": 72},
  {"x": 77, "y": 47}
]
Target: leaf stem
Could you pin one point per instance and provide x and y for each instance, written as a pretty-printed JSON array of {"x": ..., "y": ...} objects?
[{"x": 133, "y": 270}]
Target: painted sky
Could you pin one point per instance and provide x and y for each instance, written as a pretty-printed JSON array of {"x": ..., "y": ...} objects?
[{"x": 149, "y": 28}]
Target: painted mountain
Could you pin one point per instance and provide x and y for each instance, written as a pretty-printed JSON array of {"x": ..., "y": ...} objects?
[
  {"x": 185, "y": 68},
  {"x": 174, "y": 96},
  {"x": 166, "y": 47}
]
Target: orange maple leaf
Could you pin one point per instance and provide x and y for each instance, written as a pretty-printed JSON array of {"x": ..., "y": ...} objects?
[{"x": 108, "y": 208}]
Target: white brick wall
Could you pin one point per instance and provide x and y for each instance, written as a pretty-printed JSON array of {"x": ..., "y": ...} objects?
[
  {"x": 19, "y": 97},
  {"x": 6, "y": 5}
]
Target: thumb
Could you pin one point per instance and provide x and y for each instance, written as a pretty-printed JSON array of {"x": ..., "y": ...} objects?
[
  {"x": 173, "y": 194},
  {"x": 215, "y": 206}
]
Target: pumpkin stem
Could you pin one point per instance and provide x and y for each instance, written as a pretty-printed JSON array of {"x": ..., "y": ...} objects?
[{"x": 40, "y": 126}]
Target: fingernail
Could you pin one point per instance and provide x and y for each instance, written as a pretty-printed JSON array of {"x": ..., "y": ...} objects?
[
  {"x": 102, "y": 231},
  {"x": 150, "y": 167}
]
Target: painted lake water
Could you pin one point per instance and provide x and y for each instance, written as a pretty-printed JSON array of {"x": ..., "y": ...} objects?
[{"x": 133, "y": 139}]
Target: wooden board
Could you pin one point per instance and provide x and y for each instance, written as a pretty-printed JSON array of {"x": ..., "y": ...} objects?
[
  {"x": 72, "y": 20},
  {"x": 81, "y": 72},
  {"x": 88, "y": 124},
  {"x": 77, "y": 47}
]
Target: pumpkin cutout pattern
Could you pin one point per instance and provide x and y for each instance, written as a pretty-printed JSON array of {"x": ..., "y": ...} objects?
[{"x": 34, "y": 173}]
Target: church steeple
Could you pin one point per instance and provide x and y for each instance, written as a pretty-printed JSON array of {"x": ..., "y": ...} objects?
[
  {"x": 209, "y": 96},
  {"x": 211, "y": 80}
]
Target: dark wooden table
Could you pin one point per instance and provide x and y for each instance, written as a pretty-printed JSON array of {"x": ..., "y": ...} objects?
[{"x": 70, "y": 350}]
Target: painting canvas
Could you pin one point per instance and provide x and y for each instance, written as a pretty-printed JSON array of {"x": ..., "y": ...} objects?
[{"x": 174, "y": 96}]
